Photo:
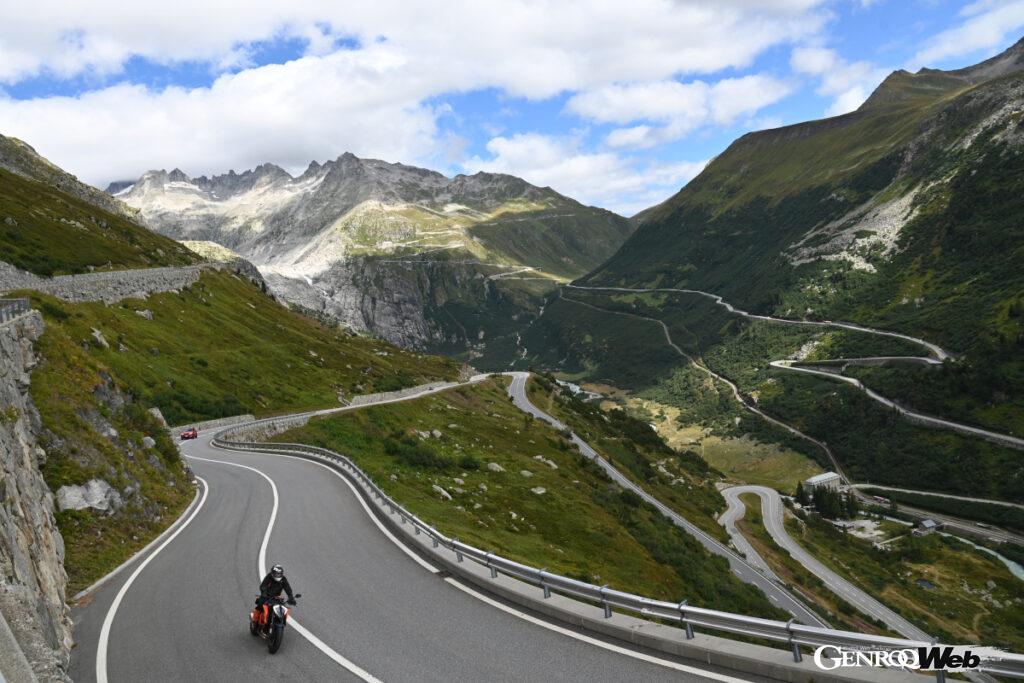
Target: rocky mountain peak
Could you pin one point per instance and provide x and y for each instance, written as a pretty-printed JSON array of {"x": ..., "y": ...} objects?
[{"x": 903, "y": 86}]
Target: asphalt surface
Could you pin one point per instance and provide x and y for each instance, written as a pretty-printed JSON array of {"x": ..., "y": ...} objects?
[
  {"x": 185, "y": 616},
  {"x": 746, "y": 572},
  {"x": 772, "y": 511}
]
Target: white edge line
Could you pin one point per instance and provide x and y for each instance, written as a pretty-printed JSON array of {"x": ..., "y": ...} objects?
[
  {"x": 505, "y": 608},
  {"x": 108, "y": 621},
  {"x": 91, "y": 589},
  {"x": 592, "y": 641},
  {"x": 261, "y": 569}
]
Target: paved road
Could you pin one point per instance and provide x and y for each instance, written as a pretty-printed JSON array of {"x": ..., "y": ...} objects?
[
  {"x": 772, "y": 510},
  {"x": 779, "y": 596},
  {"x": 914, "y": 416},
  {"x": 378, "y": 612}
]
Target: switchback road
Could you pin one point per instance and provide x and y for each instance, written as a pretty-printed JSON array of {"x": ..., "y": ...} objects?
[{"x": 372, "y": 608}]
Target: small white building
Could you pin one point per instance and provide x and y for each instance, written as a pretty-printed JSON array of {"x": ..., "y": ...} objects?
[
  {"x": 828, "y": 480},
  {"x": 927, "y": 526}
]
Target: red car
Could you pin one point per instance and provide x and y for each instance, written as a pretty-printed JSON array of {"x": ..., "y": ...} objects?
[{"x": 191, "y": 433}]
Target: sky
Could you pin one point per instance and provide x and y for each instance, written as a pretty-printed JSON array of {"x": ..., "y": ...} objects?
[{"x": 616, "y": 104}]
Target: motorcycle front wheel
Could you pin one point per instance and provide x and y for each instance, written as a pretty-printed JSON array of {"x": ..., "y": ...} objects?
[{"x": 276, "y": 636}]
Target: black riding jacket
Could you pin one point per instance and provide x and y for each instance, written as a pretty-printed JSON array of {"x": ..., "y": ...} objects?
[{"x": 271, "y": 587}]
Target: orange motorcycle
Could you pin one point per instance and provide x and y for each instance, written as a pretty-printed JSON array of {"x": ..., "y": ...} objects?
[{"x": 268, "y": 621}]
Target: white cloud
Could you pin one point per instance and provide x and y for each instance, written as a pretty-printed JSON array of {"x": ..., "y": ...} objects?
[
  {"x": 848, "y": 83},
  {"x": 607, "y": 179},
  {"x": 371, "y": 96},
  {"x": 677, "y": 108},
  {"x": 987, "y": 25},
  {"x": 528, "y": 48},
  {"x": 311, "y": 108}
]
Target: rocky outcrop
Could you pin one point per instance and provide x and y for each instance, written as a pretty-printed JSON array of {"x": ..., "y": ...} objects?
[
  {"x": 32, "y": 577},
  {"x": 96, "y": 494}
]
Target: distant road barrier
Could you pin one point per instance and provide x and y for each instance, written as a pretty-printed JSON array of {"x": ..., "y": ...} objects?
[
  {"x": 12, "y": 308},
  {"x": 690, "y": 618}
]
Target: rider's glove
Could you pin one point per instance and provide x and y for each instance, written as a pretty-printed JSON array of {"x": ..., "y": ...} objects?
[{"x": 291, "y": 601}]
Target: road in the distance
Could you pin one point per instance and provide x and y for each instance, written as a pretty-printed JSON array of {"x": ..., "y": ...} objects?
[
  {"x": 367, "y": 599},
  {"x": 772, "y": 512},
  {"x": 778, "y": 595}
]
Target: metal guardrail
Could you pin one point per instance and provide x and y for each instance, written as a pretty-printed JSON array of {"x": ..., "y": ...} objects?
[
  {"x": 689, "y": 617},
  {"x": 12, "y": 308}
]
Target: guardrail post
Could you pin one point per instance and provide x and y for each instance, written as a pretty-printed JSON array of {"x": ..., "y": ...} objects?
[
  {"x": 604, "y": 603},
  {"x": 433, "y": 536},
  {"x": 544, "y": 586},
  {"x": 797, "y": 655},
  {"x": 487, "y": 561},
  {"x": 682, "y": 617}
]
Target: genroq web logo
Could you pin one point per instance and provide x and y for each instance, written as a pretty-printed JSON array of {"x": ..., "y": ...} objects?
[{"x": 946, "y": 658}]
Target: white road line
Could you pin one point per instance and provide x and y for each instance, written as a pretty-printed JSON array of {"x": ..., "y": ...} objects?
[
  {"x": 261, "y": 569},
  {"x": 108, "y": 621},
  {"x": 594, "y": 641}
]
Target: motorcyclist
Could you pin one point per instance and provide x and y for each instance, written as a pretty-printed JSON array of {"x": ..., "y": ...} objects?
[{"x": 272, "y": 585}]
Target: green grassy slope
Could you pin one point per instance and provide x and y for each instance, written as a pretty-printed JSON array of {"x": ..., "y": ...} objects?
[
  {"x": 220, "y": 347},
  {"x": 580, "y": 525},
  {"x": 564, "y": 241},
  {"x": 47, "y": 231}
]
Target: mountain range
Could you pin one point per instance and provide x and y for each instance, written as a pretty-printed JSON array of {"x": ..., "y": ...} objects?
[{"x": 416, "y": 257}]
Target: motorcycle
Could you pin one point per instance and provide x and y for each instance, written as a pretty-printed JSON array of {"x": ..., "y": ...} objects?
[{"x": 268, "y": 621}]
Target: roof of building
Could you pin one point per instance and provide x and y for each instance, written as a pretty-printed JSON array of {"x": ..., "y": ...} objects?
[
  {"x": 822, "y": 478},
  {"x": 929, "y": 524}
]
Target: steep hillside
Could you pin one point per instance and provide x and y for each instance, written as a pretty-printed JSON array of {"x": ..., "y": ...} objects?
[
  {"x": 468, "y": 252},
  {"x": 52, "y": 224},
  {"x": 898, "y": 214},
  {"x": 903, "y": 215}
]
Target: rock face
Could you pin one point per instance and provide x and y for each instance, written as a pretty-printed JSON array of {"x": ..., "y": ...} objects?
[
  {"x": 423, "y": 260},
  {"x": 33, "y": 582}
]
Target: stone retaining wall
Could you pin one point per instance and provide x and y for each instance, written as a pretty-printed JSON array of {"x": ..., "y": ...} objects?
[{"x": 115, "y": 285}]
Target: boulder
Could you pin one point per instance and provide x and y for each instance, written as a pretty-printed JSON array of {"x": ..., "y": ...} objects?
[
  {"x": 444, "y": 494},
  {"x": 96, "y": 494},
  {"x": 98, "y": 336},
  {"x": 495, "y": 467}
]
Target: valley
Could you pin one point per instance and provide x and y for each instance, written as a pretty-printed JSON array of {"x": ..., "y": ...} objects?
[{"x": 779, "y": 411}]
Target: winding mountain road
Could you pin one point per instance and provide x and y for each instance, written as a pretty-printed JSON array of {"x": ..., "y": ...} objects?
[
  {"x": 772, "y": 513},
  {"x": 936, "y": 356},
  {"x": 745, "y": 570},
  {"x": 373, "y": 609}
]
